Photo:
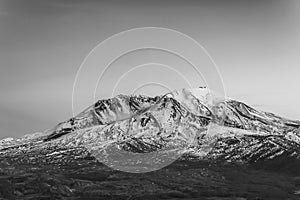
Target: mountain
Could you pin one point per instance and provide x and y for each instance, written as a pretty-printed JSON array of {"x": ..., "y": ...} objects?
[
  {"x": 196, "y": 123},
  {"x": 194, "y": 144}
]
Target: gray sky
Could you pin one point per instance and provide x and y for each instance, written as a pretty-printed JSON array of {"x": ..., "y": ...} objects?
[{"x": 256, "y": 45}]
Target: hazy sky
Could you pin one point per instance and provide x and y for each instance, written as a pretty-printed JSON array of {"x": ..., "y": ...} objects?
[{"x": 255, "y": 43}]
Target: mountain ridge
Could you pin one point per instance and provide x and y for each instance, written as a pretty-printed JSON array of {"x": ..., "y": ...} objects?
[{"x": 199, "y": 122}]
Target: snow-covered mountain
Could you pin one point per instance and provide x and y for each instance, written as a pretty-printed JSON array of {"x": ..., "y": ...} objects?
[{"x": 196, "y": 122}]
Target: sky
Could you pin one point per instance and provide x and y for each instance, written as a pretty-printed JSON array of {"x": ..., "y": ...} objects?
[{"x": 255, "y": 44}]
